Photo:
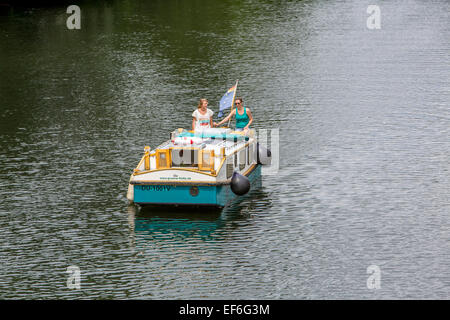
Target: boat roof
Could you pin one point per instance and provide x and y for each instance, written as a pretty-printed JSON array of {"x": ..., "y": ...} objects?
[{"x": 210, "y": 138}]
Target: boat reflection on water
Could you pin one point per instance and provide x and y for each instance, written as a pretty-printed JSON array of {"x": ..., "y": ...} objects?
[
  {"x": 177, "y": 224},
  {"x": 179, "y": 249}
]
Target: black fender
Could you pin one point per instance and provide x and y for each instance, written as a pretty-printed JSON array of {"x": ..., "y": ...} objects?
[{"x": 240, "y": 184}]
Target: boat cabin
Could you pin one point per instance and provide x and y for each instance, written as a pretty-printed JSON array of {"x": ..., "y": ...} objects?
[{"x": 215, "y": 152}]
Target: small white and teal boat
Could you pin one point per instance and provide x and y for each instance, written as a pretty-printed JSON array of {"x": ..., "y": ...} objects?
[{"x": 206, "y": 168}]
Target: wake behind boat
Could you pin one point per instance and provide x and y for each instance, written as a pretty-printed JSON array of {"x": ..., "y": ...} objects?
[{"x": 198, "y": 168}]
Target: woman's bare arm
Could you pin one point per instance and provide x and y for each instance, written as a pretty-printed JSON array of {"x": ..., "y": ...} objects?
[
  {"x": 249, "y": 114},
  {"x": 227, "y": 117}
]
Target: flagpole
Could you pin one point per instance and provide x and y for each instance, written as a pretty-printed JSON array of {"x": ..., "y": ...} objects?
[{"x": 232, "y": 102}]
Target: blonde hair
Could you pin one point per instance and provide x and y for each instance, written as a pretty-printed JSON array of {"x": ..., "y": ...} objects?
[{"x": 200, "y": 103}]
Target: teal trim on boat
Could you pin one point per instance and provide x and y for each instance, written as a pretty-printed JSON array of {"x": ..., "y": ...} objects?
[
  {"x": 218, "y": 195},
  {"x": 224, "y": 136}
]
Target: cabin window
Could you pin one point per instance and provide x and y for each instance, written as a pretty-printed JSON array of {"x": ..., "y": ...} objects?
[
  {"x": 163, "y": 159},
  {"x": 242, "y": 160},
  {"x": 250, "y": 154},
  {"x": 206, "y": 160},
  {"x": 229, "y": 168}
]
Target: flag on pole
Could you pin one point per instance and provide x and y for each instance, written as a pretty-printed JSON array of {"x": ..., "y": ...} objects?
[{"x": 227, "y": 100}]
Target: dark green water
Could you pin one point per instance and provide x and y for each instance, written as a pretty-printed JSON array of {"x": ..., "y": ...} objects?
[{"x": 364, "y": 158}]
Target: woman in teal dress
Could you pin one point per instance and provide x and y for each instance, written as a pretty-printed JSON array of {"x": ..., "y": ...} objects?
[{"x": 243, "y": 116}]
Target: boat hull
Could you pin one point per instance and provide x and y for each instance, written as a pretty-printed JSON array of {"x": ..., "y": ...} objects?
[{"x": 189, "y": 194}]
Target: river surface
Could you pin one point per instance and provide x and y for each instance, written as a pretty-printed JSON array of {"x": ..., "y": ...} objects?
[{"x": 364, "y": 175}]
